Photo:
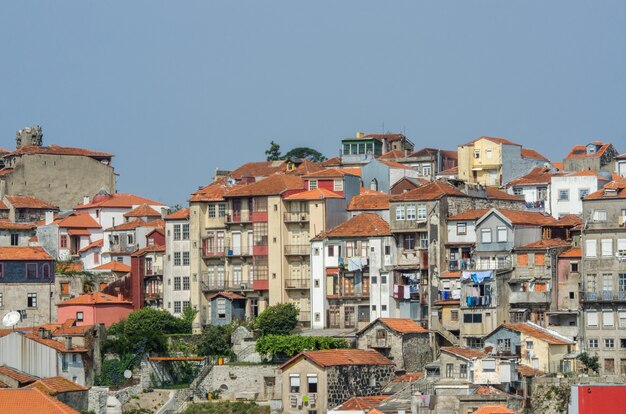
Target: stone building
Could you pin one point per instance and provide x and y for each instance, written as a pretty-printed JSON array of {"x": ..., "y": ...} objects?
[
  {"x": 596, "y": 156},
  {"x": 60, "y": 175},
  {"x": 402, "y": 340},
  {"x": 319, "y": 380}
]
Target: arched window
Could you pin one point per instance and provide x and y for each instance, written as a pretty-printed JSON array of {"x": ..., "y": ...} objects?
[{"x": 374, "y": 184}]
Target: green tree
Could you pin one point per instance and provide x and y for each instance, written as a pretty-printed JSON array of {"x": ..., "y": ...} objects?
[
  {"x": 215, "y": 341},
  {"x": 590, "y": 362},
  {"x": 273, "y": 153},
  {"x": 283, "y": 346},
  {"x": 305, "y": 152},
  {"x": 278, "y": 319}
]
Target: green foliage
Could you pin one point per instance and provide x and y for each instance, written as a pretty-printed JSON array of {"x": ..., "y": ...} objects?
[
  {"x": 138, "y": 411},
  {"x": 278, "y": 319},
  {"x": 289, "y": 345},
  {"x": 226, "y": 407},
  {"x": 590, "y": 362},
  {"x": 112, "y": 371},
  {"x": 215, "y": 341},
  {"x": 305, "y": 152},
  {"x": 273, "y": 153}
]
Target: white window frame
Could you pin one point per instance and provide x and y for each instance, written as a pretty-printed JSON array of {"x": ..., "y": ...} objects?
[
  {"x": 563, "y": 194},
  {"x": 410, "y": 212},
  {"x": 591, "y": 247},
  {"x": 400, "y": 212},
  {"x": 599, "y": 215},
  {"x": 483, "y": 234},
  {"x": 421, "y": 212},
  {"x": 312, "y": 184},
  {"x": 338, "y": 184},
  {"x": 502, "y": 237}
]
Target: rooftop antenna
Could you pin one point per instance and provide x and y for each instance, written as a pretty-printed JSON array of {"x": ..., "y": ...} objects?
[{"x": 11, "y": 319}]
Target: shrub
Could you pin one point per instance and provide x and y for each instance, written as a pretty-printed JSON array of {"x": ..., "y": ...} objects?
[
  {"x": 274, "y": 346},
  {"x": 278, "y": 319}
]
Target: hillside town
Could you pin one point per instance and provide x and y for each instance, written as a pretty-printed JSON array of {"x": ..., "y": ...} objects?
[{"x": 396, "y": 278}]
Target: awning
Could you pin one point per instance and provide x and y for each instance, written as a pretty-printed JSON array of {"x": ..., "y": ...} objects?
[{"x": 332, "y": 270}]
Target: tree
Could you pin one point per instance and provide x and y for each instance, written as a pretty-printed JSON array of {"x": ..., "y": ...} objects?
[
  {"x": 285, "y": 346},
  {"x": 305, "y": 152},
  {"x": 273, "y": 153},
  {"x": 215, "y": 341},
  {"x": 590, "y": 362},
  {"x": 278, "y": 319}
]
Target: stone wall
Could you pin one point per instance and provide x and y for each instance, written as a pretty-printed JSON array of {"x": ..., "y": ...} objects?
[
  {"x": 416, "y": 352},
  {"x": 348, "y": 381},
  {"x": 249, "y": 382}
]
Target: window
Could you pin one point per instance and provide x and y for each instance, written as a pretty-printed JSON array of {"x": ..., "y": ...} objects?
[
  {"x": 63, "y": 242},
  {"x": 65, "y": 288},
  {"x": 463, "y": 371},
  {"x": 31, "y": 271},
  {"x": 294, "y": 383},
  {"x": 622, "y": 343},
  {"x": 599, "y": 215},
  {"x": 592, "y": 319},
  {"x": 609, "y": 343},
  {"x": 311, "y": 380},
  {"x": 409, "y": 241},
  {"x": 387, "y": 250},
  {"x": 221, "y": 308},
  {"x": 177, "y": 283},
  {"x": 529, "y": 344},
  {"x": 621, "y": 247},
  {"x": 400, "y": 212},
  {"x": 185, "y": 231},
  {"x": 211, "y": 210},
  {"x": 573, "y": 267},
  {"x": 186, "y": 304},
  {"x": 383, "y": 308},
  {"x": 186, "y": 285},
  {"x": 177, "y": 260},
  {"x": 312, "y": 184},
  {"x": 593, "y": 343},
  {"x": 331, "y": 251},
  {"x": 449, "y": 370},
  {"x": 410, "y": 212},
  {"x": 517, "y": 191},
  {"x": 590, "y": 248},
  {"x": 475, "y": 343},
  {"x": 45, "y": 270},
  {"x": 583, "y": 192},
  {"x": 424, "y": 240},
  {"x": 607, "y": 247},
  {"x": 608, "y": 319},
  {"x": 502, "y": 234},
  {"x": 476, "y": 154},
  {"x": 489, "y": 364},
  {"x": 80, "y": 316},
  {"x": 485, "y": 235},
  {"x": 185, "y": 258},
  {"x": 222, "y": 209},
  {"x": 504, "y": 344},
  {"x": 489, "y": 153},
  {"x": 461, "y": 229},
  {"x": 130, "y": 238},
  {"x": 383, "y": 279},
  {"x": 176, "y": 306},
  {"x": 454, "y": 315},
  {"x": 14, "y": 239},
  {"x": 564, "y": 195},
  {"x": 31, "y": 300},
  {"x": 338, "y": 184},
  {"x": 374, "y": 279},
  {"x": 472, "y": 318},
  {"x": 373, "y": 308},
  {"x": 426, "y": 169},
  {"x": 421, "y": 211},
  {"x": 177, "y": 232}
]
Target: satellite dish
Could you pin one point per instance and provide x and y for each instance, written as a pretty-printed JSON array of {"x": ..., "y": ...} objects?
[
  {"x": 11, "y": 319},
  {"x": 128, "y": 373}
]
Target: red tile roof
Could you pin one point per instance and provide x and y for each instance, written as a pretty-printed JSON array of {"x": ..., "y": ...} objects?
[
  {"x": 307, "y": 167},
  {"x": 571, "y": 220},
  {"x": 16, "y": 375},
  {"x": 259, "y": 169},
  {"x": 93, "y": 298},
  {"x": 494, "y": 409},
  {"x": 450, "y": 275},
  {"x": 9, "y": 225},
  {"x": 449, "y": 171},
  {"x": 466, "y": 353},
  {"x": 57, "y": 150},
  {"x": 550, "y": 337},
  {"x": 495, "y": 194},
  {"x": 317, "y": 194},
  {"x": 272, "y": 185},
  {"x": 526, "y": 371},
  {"x": 409, "y": 377},
  {"x": 362, "y": 403},
  {"x": 55, "y": 385},
  {"x": 537, "y": 176},
  {"x": 369, "y": 202},
  {"x": 527, "y": 218},
  {"x": 614, "y": 190},
  {"x": 3, "y": 206},
  {"x": 227, "y": 295},
  {"x": 116, "y": 200},
  {"x": 469, "y": 215},
  {"x": 356, "y": 171},
  {"x": 149, "y": 249},
  {"x": 393, "y": 164},
  {"x": 544, "y": 244},
  {"x": 331, "y": 162},
  {"x": 403, "y": 325},
  {"x": 31, "y": 400},
  {"x": 24, "y": 253},
  {"x": 136, "y": 223},
  {"x": 18, "y": 201},
  {"x": 427, "y": 192},
  {"x": 212, "y": 192},
  {"x": 330, "y": 173},
  {"x": 531, "y": 153},
  {"x": 447, "y": 302},
  {"x": 143, "y": 210},
  {"x": 574, "y": 252},
  {"x": 78, "y": 220},
  {"x": 393, "y": 155},
  {"x": 182, "y": 214},
  {"x": 362, "y": 225},
  {"x": 54, "y": 344},
  {"x": 580, "y": 151},
  {"x": 337, "y": 357},
  {"x": 114, "y": 266},
  {"x": 367, "y": 191},
  {"x": 94, "y": 245},
  {"x": 492, "y": 139},
  {"x": 558, "y": 165},
  {"x": 621, "y": 157}
]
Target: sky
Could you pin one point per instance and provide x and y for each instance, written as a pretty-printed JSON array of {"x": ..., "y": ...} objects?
[{"x": 176, "y": 89}]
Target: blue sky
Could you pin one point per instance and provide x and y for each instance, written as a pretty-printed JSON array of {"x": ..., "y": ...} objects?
[{"x": 177, "y": 89}]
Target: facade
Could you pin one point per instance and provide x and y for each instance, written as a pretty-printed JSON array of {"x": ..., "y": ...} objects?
[
  {"x": 177, "y": 272},
  {"x": 94, "y": 308},
  {"x": 535, "y": 187},
  {"x": 568, "y": 190},
  {"x": 365, "y": 147},
  {"x": 381, "y": 175},
  {"x": 27, "y": 209},
  {"x": 620, "y": 165},
  {"x": 476, "y": 367},
  {"x": 146, "y": 273},
  {"x": 227, "y": 307},
  {"x": 319, "y": 380},
  {"x": 60, "y": 175},
  {"x": 596, "y": 155},
  {"x": 68, "y": 234},
  {"x": 15, "y": 234}
]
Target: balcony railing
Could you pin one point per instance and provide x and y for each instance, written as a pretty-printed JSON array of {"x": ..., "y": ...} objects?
[
  {"x": 477, "y": 301},
  {"x": 297, "y": 283},
  {"x": 154, "y": 271},
  {"x": 216, "y": 285},
  {"x": 238, "y": 250},
  {"x": 298, "y": 249},
  {"x": 529, "y": 297},
  {"x": 458, "y": 265},
  {"x": 213, "y": 252},
  {"x": 604, "y": 296},
  {"x": 502, "y": 264},
  {"x": 238, "y": 217},
  {"x": 295, "y": 217}
]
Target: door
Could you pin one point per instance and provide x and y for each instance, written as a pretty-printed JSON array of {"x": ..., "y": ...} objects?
[
  {"x": 250, "y": 242},
  {"x": 236, "y": 243},
  {"x": 236, "y": 210}
]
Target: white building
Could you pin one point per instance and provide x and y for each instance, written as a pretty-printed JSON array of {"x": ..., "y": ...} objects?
[
  {"x": 176, "y": 274},
  {"x": 568, "y": 190}
]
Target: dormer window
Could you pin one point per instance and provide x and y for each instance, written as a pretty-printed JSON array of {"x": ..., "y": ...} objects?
[
  {"x": 610, "y": 192},
  {"x": 591, "y": 149},
  {"x": 312, "y": 184}
]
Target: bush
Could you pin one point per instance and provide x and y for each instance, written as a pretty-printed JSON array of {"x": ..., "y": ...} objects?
[
  {"x": 215, "y": 341},
  {"x": 289, "y": 345},
  {"x": 226, "y": 407},
  {"x": 278, "y": 319},
  {"x": 590, "y": 362},
  {"x": 112, "y": 371}
]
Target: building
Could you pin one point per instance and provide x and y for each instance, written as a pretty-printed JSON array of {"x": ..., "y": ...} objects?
[
  {"x": 177, "y": 272},
  {"x": 29, "y": 400},
  {"x": 402, "y": 340},
  {"x": 227, "y": 307},
  {"x": 565, "y": 319},
  {"x": 26, "y": 209},
  {"x": 406, "y": 184},
  {"x": 381, "y": 175},
  {"x": 476, "y": 367},
  {"x": 370, "y": 202},
  {"x": 15, "y": 234},
  {"x": 620, "y": 165},
  {"x": 120, "y": 241},
  {"x": 94, "y": 308},
  {"x": 64, "y": 390},
  {"x": 65, "y": 236},
  {"x": 11, "y": 378},
  {"x": 365, "y": 147},
  {"x": 146, "y": 272},
  {"x": 60, "y": 175},
  {"x": 596, "y": 155},
  {"x": 495, "y": 162},
  {"x": 27, "y": 282},
  {"x": 350, "y": 273},
  {"x": 604, "y": 276},
  {"x": 535, "y": 187},
  {"x": 319, "y": 380},
  {"x": 568, "y": 190}
]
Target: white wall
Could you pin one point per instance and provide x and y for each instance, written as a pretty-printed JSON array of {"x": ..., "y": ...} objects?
[
  {"x": 170, "y": 271},
  {"x": 318, "y": 295},
  {"x": 574, "y": 184},
  {"x": 469, "y": 237},
  {"x": 396, "y": 174}
]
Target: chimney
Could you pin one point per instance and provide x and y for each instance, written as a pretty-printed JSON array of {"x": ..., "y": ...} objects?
[
  {"x": 85, "y": 200},
  {"x": 49, "y": 217},
  {"x": 31, "y": 136},
  {"x": 360, "y": 134}
]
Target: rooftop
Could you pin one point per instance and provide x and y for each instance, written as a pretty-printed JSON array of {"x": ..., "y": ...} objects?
[
  {"x": 55, "y": 385},
  {"x": 31, "y": 400},
  {"x": 537, "y": 176},
  {"x": 57, "y": 150},
  {"x": 114, "y": 266},
  {"x": 494, "y": 409},
  {"x": 93, "y": 245},
  {"x": 362, "y": 225},
  {"x": 24, "y": 253},
  {"x": 136, "y": 223},
  {"x": 580, "y": 151},
  {"x": 428, "y": 192},
  {"x": 492, "y": 139},
  {"x": 19, "y": 376},
  {"x": 331, "y": 173},
  {"x": 259, "y": 169},
  {"x": 369, "y": 202},
  {"x": 362, "y": 403},
  {"x": 338, "y": 357},
  {"x": 616, "y": 189},
  {"x": 317, "y": 194},
  {"x": 228, "y": 295},
  {"x": 80, "y": 220},
  {"x": 495, "y": 194},
  {"x": 403, "y": 325},
  {"x": 93, "y": 298},
  {"x": 19, "y": 201},
  {"x": 549, "y": 336},
  {"x": 273, "y": 185},
  {"x": 469, "y": 215},
  {"x": 531, "y": 153},
  {"x": 143, "y": 210},
  {"x": 6, "y": 224},
  {"x": 544, "y": 244},
  {"x": 574, "y": 252},
  {"x": 116, "y": 200},
  {"x": 182, "y": 214},
  {"x": 466, "y": 353}
]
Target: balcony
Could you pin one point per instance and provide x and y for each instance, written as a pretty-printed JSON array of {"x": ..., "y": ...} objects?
[
  {"x": 297, "y": 283},
  {"x": 477, "y": 301},
  {"x": 237, "y": 251},
  {"x": 455, "y": 265},
  {"x": 154, "y": 271},
  {"x": 211, "y": 252},
  {"x": 297, "y": 249},
  {"x": 501, "y": 263},
  {"x": 296, "y": 217},
  {"x": 604, "y": 296},
  {"x": 212, "y": 285},
  {"x": 529, "y": 297},
  {"x": 238, "y": 217}
]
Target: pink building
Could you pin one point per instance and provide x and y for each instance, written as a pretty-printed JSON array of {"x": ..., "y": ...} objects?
[{"x": 94, "y": 308}]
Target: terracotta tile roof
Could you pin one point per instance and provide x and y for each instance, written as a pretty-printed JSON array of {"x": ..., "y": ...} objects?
[
  {"x": 409, "y": 377},
  {"x": 31, "y": 400},
  {"x": 356, "y": 171},
  {"x": 537, "y": 176},
  {"x": 450, "y": 275},
  {"x": 317, "y": 194},
  {"x": 93, "y": 298},
  {"x": 55, "y": 385},
  {"x": 574, "y": 252},
  {"x": 367, "y": 191},
  {"x": 466, "y": 353},
  {"x": 329, "y": 173},
  {"x": 616, "y": 189},
  {"x": 492, "y": 139},
  {"x": 65, "y": 267},
  {"x": 114, "y": 266},
  {"x": 54, "y": 344},
  {"x": 94, "y": 245},
  {"x": 571, "y": 220},
  {"x": 427, "y": 192},
  {"x": 337, "y": 357},
  {"x": 9, "y": 225},
  {"x": 307, "y": 167},
  {"x": 362, "y": 403},
  {"x": 527, "y": 217},
  {"x": 18, "y": 201},
  {"x": 403, "y": 325},
  {"x": 24, "y": 253},
  {"x": 469, "y": 214},
  {"x": 425, "y": 151},
  {"x": 369, "y": 202},
  {"x": 16, "y": 375},
  {"x": 580, "y": 151},
  {"x": 393, "y": 155},
  {"x": 116, "y": 200},
  {"x": 212, "y": 192},
  {"x": 3, "y": 206},
  {"x": 451, "y": 154},
  {"x": 78, "y": 220},
  {"x": 544, "y": 244},
  {"x": 495, "y": 194},
  {"x": 531, "y": 153},
  {"x": 259, "y": 169},
  {"x": 6, "y": 171},
  {"x": 526, "y": 371},
  {"x": 393, "y": 164},
  {"x": 143, "y": 210},
  {"x": 149, "y": 249},
  {"x": 490, "y": 390},
  {"x": 538, "y": 332},
  {"x": 331, "y": 162},
  {"x": 586, "y": 173},
  {"x": 57, "y": 150},
  {"x": 447, "y": 302},
  {"x": 272, "y": 185},
  {"x": 227, "y": 295},
  {"x": 362, "y": 225},
  {"x": 494, "y": 409},
  {"x": 182, "y": 214},
  {"x": 558, "y": 165},
  {"x": 136, "y": 223}
]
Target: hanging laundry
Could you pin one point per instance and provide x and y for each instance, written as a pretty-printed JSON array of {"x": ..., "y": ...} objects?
[
  {"x": 407, "y": 294},
  {"x": 466, "y": 275},
  {"x": 354, "y": 263},
  {"x": 456, "y": 294}
]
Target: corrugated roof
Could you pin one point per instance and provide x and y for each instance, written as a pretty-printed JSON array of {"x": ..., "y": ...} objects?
[
  {"x": 466, "y": 353},
  {"x": 362, "y": 225},
  {"x": 337, "y": 357},
  {"x": 31, "y": 400},
  {"x": 24, "y": 253}
]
